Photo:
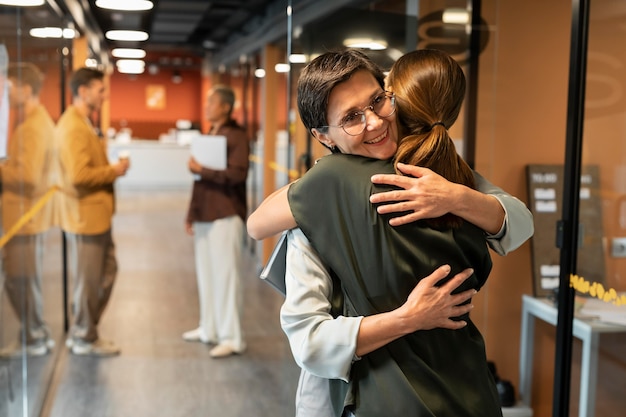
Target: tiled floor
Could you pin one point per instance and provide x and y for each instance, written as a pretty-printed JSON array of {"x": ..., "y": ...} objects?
[{"x": 153, "y": 303}]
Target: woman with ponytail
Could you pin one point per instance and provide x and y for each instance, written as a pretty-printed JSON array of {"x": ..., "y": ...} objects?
[{"x": 429, "y": 87}]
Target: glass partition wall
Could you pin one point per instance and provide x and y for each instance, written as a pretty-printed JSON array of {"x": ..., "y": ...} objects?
[
  {"x": 31, "y": 290},
  {"x": 600, "y": 281},
  {"x": 513, "y": 126}
]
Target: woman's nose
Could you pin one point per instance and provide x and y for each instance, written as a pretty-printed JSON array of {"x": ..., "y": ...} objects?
[{"x": 372, "y": 120}]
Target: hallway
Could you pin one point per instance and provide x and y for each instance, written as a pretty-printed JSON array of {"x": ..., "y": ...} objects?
[{"x": 154, "y": 302}]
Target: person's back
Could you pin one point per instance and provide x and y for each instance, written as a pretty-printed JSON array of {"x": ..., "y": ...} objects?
[
  {"x": 377, "y": 265},
  {"x": 26, "y": 172}
]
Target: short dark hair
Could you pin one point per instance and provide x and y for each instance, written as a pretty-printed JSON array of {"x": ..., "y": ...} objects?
[
  {"x": 26, "y": 73},
  {"x": 84, "y": 76},
  {"x": 323, "y": 74}
]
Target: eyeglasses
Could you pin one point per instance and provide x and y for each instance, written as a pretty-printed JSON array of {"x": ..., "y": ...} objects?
[{"x": 354, "y": 123}]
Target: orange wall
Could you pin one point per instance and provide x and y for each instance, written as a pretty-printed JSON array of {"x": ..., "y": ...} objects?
[
  {"x": 522, "y": 120},
  {"x": 128, "y": 101},
  {"x": 50, "y": 95},
  {"x": 522, "y": 110}
]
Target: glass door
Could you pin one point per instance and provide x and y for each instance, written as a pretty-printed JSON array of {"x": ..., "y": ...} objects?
[{"x": 31, "y": 300}]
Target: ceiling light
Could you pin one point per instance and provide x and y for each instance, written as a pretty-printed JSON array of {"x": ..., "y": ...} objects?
[
  {"x": 22, "y": 2},
  {"x": 456, "y": 16},
  {"x": 130, "y": 66},
  {"x": 259, "y": 73},
  {"x": 127, "y": 5},
  {"x": 52, "y": 32},
  {"x": 126, "y": 35},
  {"x": 297, "y": 58},
  {"x": 281, "y": 67},
  {"x": 365, "y": 43},
  {"x": 128, "y": 53}
]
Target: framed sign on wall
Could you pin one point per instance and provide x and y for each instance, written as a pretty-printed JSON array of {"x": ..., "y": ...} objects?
[
  {"x": 155, "y": 97},
  {"x": 545, "y": 196}
]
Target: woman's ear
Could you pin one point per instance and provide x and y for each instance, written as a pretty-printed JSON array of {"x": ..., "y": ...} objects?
[{"x": 323, "y": 138}]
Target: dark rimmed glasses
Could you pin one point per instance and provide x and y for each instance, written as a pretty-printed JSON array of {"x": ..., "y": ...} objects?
[{"x": 354, "y": 123}]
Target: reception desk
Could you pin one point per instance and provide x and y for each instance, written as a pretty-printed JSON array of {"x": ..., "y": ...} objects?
[{"x": 154, "y": 165}]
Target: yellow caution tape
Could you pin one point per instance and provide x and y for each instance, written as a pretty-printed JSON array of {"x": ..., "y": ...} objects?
[
  {"x": 293, "y": 174},
  {"x": 27, "y": 216}
]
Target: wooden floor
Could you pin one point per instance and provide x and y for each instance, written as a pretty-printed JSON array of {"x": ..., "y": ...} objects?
[{"x": 154, "y": 301}]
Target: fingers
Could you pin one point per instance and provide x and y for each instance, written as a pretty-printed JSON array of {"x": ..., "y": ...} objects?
[
  {"x": 437, "y": 275},
  {"x": 454, "y": 325},
  {"x": 406, "y": 219},
  {"x": 457, "y": 280},
  {"x": 392, "y": 207},
  {"x": 392, "y": 179},
  {"x": 431, "y": 306},
  {"x": 412, "y": 170}
]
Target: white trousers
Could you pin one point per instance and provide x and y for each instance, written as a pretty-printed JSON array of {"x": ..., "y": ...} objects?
[{"x": 218, "y": 250}]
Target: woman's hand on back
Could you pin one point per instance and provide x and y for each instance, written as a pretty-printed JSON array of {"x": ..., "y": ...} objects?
[{"x": 423, "y": 193}]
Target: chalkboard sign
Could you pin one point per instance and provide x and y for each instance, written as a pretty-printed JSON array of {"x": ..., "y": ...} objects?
[{"x": 545, "y": 196}]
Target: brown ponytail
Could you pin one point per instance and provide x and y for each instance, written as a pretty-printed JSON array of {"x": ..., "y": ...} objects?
[{"x": 429, "y": 87}]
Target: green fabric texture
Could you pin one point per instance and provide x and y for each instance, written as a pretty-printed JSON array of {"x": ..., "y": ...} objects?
[{"x": 428, "y": 373}]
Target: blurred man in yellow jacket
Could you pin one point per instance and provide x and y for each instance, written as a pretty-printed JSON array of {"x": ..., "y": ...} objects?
[
  {"x": 25, "y": 179},
  {"x": 87, "y": 209}
]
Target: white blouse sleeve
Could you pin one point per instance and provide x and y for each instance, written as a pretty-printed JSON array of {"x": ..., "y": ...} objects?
[
  {"x": 322, "y": 345},
  {"x": 518, "y": 225}
]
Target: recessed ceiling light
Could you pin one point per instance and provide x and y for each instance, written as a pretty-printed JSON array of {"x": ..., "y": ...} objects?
[
  {"x": 126, "y": 35},
  {"x": 130, "y": 66},
  {"x": 297, "y": 58},
  {"x": 128, "y": 5},
  {"x": 456, "y": 16},
  {"x": 281, "y": 67},
  {"x": 259, "y": 73},
  {"x": 52, "y": 32},
  {"x": 128, "y": 53},
  {"x": 366, "y": 43},
  {"x": 22, "y": 2}
]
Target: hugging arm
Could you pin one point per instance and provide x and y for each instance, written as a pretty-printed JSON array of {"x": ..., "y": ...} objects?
[
  {"x": 320, "y": 344},
  {"x": 518, "y": 224},
  {"x": 327, "y": 346},
  {"x": 272, "y": 216},
  {"x": 424, "y": 194},
  {"x": 506, "y": 220}
]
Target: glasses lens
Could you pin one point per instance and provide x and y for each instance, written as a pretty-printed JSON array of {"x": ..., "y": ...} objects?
[
  {"x": 385, "y": 105},
  {"x": 354, "y": 125}
]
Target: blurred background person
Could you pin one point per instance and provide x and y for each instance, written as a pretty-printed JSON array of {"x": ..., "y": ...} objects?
[
  {"x": 25, "y": 179},
  {"x": 87, "y": 209},
  {"x": 215, "y": 218}
]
